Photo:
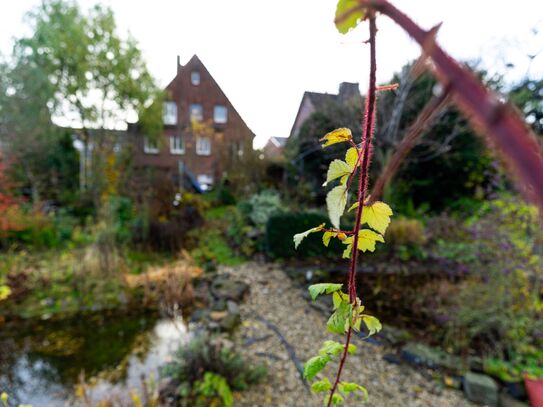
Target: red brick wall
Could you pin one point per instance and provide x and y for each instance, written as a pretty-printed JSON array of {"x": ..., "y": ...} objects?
[{"x": 227, "y": 136}]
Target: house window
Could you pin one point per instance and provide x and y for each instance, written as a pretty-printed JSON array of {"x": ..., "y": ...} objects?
[
  {"x": 220, "y": 114},
  {"x": 196, "y": 112},
  {"x": 169, "y": 115},
  {"x": 177, "y": 145},
  {"x": 195, "y": 78},
  {"x": 203, "y": 146},
  {"x": 150, "y": 146}
]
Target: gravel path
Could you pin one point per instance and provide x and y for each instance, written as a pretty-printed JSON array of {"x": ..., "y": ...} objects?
[{"x": 275, "y": 302}]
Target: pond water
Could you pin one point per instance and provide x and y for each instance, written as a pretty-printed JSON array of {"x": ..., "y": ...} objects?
[{"x": 43, "y": 363}]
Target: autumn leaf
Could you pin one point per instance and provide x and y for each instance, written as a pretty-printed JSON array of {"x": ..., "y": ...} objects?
[
  {"x": 336, "y": 200},
  {"x": 377, "y": 216},
  {"x": 337, "y": 136},
  {"x": 327, "y": 236},
  {"x": 349, "y": 13},
  {"x": 351, "y": 157},
  {"x": 338, "y": 169},
  {"x": 301, "y": 236}
]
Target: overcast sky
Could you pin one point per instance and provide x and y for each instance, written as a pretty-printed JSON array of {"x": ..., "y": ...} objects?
[{"x": 265, "y": 54}]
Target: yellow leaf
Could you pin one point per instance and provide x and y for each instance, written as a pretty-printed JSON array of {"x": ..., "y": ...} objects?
[
  {"x": 353, "y": 206},
  {"x": 336, "y": 200},
  {"x": 337, "y": 169},
  {"x": 367, "y": 239},
  {"x": 301, "y": 236},
  {"x": 377, "y": 216},
  {"x": 337, "y": 136},
  {"x": 349, "y": 13},
  {"x": 351, "y": 157},
  {"x": 327, "y": 236}
]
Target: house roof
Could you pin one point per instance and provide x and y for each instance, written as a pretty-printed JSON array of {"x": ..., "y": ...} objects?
[
  {"x": 195, "y": 60},
  {"x": 316, "y": 100},
  {"x": 279, "y": 141}
]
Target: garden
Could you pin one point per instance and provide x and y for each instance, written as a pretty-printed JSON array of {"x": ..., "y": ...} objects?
[{"x": 390, "y": 256}]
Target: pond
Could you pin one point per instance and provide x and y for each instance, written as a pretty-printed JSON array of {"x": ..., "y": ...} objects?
[{"x": 43, "y": 363}]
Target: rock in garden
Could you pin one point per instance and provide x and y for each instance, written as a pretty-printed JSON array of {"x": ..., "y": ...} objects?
[
  {"x": 223, "y": 287},
  {"x": 481, "y": 389}
]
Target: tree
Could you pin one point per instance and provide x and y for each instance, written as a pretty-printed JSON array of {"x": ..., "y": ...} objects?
[
  {"x": 449, "y": 154},
  {"x": 528, "y": 96},
  {"x": 42, "y": 156},
  {"x": 99, "y": 79}
]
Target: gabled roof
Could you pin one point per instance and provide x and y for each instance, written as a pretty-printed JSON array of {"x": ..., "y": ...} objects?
[
  {"x": 315, "y": 101},
  {"x": 279, "y": 141},
  {"x": 195, "y": 60}
]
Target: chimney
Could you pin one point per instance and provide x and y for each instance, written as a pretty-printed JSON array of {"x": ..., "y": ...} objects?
[
  {"x": 348, "y": 90},
  {"x": 178, "y": 63}
]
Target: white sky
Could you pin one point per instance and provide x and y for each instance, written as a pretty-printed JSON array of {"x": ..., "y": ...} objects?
[{"x": 265, "y": 54}]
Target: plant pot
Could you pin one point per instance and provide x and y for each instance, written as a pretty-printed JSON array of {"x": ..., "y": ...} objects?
[
  {"x": 515, "y": 389},
  {"x": 534, "y": 387}
]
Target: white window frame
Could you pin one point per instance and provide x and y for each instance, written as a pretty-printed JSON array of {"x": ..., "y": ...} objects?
[
  {"x": 223, "y": 120},
  {"x": 169, "y": 113},
  {"x": 203, "y": 145},
  {"x": 150, "y": 148},
  {"x": 177, "y": 149},
  {"x": 195, "y": 78},
  {"x": 192, "y": 116}
]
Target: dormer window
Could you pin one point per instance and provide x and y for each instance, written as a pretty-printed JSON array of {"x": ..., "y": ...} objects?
[
  {"x": 220, "y": 114},
  {"x": 169, "y": 115},
  {"x": 196, "y": 112},
  {"x": 195, "y": 78}
]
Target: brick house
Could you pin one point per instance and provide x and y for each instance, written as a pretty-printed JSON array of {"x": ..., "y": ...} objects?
[
  {"x": 273, "y": 150},
  {"x": 203, "y": 132},
  {"x": 314, "y": 101}
]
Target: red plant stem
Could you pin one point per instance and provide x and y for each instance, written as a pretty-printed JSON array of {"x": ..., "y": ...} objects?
[
  {"x": 368, "y": 126},
  {"x": 502, "y": 125}
]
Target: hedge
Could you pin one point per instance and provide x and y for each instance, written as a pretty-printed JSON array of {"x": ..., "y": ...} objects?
[{"x": 281, "y": 227}]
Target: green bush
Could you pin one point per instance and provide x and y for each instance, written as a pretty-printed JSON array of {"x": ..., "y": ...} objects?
[
  {"x": 207, "y": 367},
  {"x": 281, "y": 227},
  {"x": 498, "y": 309},
  {"x": 261, "y": 206}
]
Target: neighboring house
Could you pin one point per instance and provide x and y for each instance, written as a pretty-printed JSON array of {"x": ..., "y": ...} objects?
[
  {"x": 194, "y": 101},
  {"x": 313, "y": 101},
  {"x": 273, "y": 150}
]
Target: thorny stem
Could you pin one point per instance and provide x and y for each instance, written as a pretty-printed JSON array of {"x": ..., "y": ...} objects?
[{"x": 364, "y": 157}]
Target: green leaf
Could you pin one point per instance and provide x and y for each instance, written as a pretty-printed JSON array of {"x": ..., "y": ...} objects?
[
  {"x": 5, "y": 292},
  {"x": 337, "y": 136},
  {"x": 315, "y": 365},
  {"x": 340, "y": 318},
  {"x": 353, "y": 206},
  {"x": 327, "y": 236},
  {"x": 346, "y": 388},
  {"x": 349, "y": 13},
  {"x": 351, "y": 349},
  {"x": 301, "y": 236},
  {"x": 377, "y": 216},
  {"x": 331, "y": 348},
  {"x": 349, "y": 247},
  {"x": 335, "y": 202},
  {"x": 372, "y": 323},
  {"x": 338, "y": 297},
  {"x": 367, "y": 239},
  {"x": 337, "y": 169},
  {"x": 336, "y": 399},
  {"x": 321, "y": 386},
  {"x": 323, "y": 288}
]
